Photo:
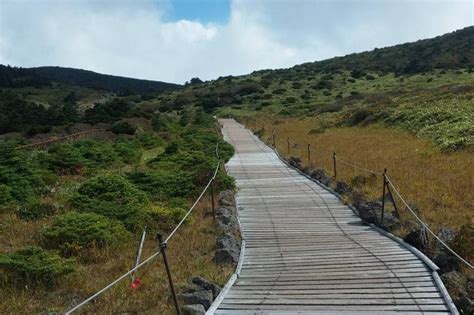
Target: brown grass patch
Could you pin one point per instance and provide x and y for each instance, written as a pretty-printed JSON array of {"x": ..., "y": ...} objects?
[
  {"x": 438, "y": 184},
  {"x": 189, "y": 253}
]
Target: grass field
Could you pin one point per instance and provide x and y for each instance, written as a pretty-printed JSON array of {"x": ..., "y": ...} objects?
[
  {"x": 437, "y": 184},
  {"x": 189, "y": 254}
]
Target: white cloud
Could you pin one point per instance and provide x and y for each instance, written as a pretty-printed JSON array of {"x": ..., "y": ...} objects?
[{"x": 131, "y": 38}]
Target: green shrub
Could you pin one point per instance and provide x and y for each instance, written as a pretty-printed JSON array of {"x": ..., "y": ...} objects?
[
  {"x": 5, "y": 195},
  {"x": 359, "y": 116},
  {"x": 35, "y": 210},
  {"x": 127, "y": 151},
  {"x": 96, "y": 153},
  {"x": 164, "y": 183},
  {"x": 123, "y": 127},
  {"x": 149, "y": 140},
  {"x": 20, "y": 174},
  {"x": 114, "y": 197},
  {"x": 34, "y": 264},
  {"x": 167, "y": 216},
  {"x": 71, "y": 232},
  {"x": 65, "y": 158}
]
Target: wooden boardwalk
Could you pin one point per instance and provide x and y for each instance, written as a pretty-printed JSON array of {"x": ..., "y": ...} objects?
[{"x": 307, "y": 253}]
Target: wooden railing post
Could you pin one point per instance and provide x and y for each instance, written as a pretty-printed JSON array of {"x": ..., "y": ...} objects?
[
  {"x": 168, "y": 272},
  {"x": 288, "y": 145},
  {"x": 334, "y": 164},
  {"x": 273, "y": 136},
  {"x": 212, "y": 201},
  {"x": 383, "y": 196},
  {"x": 309, "y": 154}
]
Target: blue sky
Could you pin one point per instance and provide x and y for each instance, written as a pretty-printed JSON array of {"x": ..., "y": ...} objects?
[
  {"x": 204, "y": 11},
  {"x": 175, "y": 40}
]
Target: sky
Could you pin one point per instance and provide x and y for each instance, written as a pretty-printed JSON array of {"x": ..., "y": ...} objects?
[{"x": 175, "y": 40}]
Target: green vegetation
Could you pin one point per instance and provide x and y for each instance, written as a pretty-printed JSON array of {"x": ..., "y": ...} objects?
[
  {"x": 45, "y": 76},
  {"x": 72, "y": 232},
  {"x": 35, "y": 265},
  {"x": 114, "y": 197}
]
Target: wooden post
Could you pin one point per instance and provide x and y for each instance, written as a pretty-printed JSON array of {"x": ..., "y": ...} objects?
[
  {"x": 168, "y": 272},
  {"x": 288, "y": 145},
  {"x": 334, "y": 164},
  {"x": 212, "y": 201},
  {"x": 383, "y": 196},
  {"x": 309, "y": 155},
  {"x": 273, "y": 136},
  {"x": 393, "y": 199}
]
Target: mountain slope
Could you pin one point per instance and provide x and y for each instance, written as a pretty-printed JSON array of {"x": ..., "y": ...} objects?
[
  {"x": 41, "y": 76},
  {"x": 449, "y": 51}
]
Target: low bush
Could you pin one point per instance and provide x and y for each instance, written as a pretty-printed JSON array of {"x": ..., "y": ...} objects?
[
  {"x": 34, "y": 264},
  {"x": 128, "y": 151},
  {"x": 359, "y": 116},
  {"x": 65, "y": 158},
  {"x": 167, "y": 216},
  {"x": 163, "y": 184},
  {"x": 5, "y": 195},
  {"x": 21, "y": 176},
  {"x": 96, "y": 154},
  {"x": 72, "y": 232},
  {"x": 123, "y": 127},
  {"x": 114, "y": 197},
  {"x": 35, "y": 210}
]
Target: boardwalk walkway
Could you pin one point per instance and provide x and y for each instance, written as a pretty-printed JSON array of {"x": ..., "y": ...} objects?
[{"x": 306, "y": 252}]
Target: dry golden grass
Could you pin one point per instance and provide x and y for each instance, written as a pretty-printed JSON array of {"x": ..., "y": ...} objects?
[
  {"x": 439, "y": 184},
  {"x": 189, "y": 253}
]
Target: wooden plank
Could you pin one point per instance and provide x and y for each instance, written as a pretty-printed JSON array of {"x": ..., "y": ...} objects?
[{"x": 306, "y": 252}]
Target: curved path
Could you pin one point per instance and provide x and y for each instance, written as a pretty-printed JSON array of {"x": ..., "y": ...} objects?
[{"x": 306, "y": 252}]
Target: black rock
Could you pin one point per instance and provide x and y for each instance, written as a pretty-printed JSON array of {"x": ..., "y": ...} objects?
[
  {"x": 206, "y": 285},
  {"x": 204, "y": 298},
  {"x": 442, "y": 257},
  {"x": 342, "y": 188},
  {"x": 294, "y": 161},
  {"x": 223, "y": 256},
  {"x": 417, "y": 238},
  {"x": 226, "y": 198},
  {"x": 193, "y": 309}
]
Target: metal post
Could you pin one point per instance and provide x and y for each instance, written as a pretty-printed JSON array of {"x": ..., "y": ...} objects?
[
  {"x": 309, "y": 154},
  {"x": 168, "y": 272},
  {"x": 212, "y": 201},
  {"x": 334, "y": 164},
  {"x": 288, "y": 145},
  {"x": 273, "y": 136},
  {"x": 383, "y": 195}
]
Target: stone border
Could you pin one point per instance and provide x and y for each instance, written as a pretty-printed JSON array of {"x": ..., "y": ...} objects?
[{"x": 218, "y": 300}]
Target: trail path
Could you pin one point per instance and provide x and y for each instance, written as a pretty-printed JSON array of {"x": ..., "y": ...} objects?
[{"x": 308, "y": 253}]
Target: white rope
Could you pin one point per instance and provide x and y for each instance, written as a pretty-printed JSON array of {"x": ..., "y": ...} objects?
[
  {"x": 358, "y": 167},
  {"x": 426, "y": 226},
  {"x": 75, "y": 308},
  {"x": 194, "y": 205},
  {"x": 133, "y": 270}
]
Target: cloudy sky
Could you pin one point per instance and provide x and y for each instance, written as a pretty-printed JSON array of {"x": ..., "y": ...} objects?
[{"x": 174, "y": 40}]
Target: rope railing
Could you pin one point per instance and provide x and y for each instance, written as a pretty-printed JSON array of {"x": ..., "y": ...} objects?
[
  {"x": 163, "y": 245},
  {"x": 422, "y": 223},
  {"x": 358, "y": 167},
  {"x": 387, "y": 184}
]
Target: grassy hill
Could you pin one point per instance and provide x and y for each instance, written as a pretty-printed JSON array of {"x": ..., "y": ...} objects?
[
  {"x": 424, "y": 87},
  {"x": 44, "y": 76},
  {"x": 408, "y": 108}
]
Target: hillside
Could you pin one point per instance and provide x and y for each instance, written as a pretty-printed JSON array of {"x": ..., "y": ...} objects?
[
  {"x": 387, "y": 86},
  {"x": 11, "y": 77}
]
